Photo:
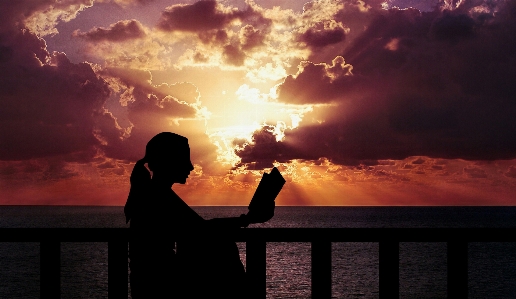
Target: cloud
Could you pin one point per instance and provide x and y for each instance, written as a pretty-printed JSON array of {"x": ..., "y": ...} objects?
[
  {"x": 41, "y": 17},
  {"x": 200, "y": 16},
  {"x": 214, "y": 35},
  {"x": 475, "y": 172},
  {"x": 419, "y": 161},
  {"x": 511, "y": 172},
  {"x": 126, "y": 44},
  {"x": 49, "y": 104},
  {"x": 117, "y": 32},
  {"x": 323, "y": 34},
  {"x": 251, "y": 37},
  {"x": 405, "y": 87},
  {"x": 452, "y": 27},
  {"x": 36, "y": 171},
  {"x": 305, "y": 86},
  {"x": 227, "y": 37},
  {"x": 233, "y": 55},
  {"x": 263, "y": 150},
  {"x": 127, "y": 3},
  {"x": 79, "y": 111},
  {"x": 149, "y": 109},
  {"x": 328, "y": 26}
]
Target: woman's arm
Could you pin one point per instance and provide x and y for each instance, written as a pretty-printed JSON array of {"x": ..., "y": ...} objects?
[
  {"x": 258, "y": 214},
  {"x": 229, "y": 222}
]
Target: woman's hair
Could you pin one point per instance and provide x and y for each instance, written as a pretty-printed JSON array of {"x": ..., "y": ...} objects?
[{"x": 166, "y": 147}]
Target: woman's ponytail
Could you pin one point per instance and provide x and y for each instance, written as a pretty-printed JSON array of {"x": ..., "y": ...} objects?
[{"x": 140, "y": 179}]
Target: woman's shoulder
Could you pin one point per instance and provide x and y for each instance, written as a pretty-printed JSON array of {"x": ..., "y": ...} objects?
[{"x": 184, "y": 209}]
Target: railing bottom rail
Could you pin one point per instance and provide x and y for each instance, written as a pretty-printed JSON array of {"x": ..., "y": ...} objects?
[{"x": 457, "y": 254}]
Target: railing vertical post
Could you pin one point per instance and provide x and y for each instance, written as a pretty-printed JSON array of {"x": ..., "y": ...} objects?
[
  {"x": 117, "y": 270},
  {"x": 321, "y": 269},
  {"x": 50, "y": 270},
  {"x": 457, "y": 270},
  {"x": 256, "y": 263},
  {"x": 389, "y": 254}
]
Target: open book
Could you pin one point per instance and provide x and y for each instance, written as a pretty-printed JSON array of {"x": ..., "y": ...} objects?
[{"x": 269, "y": 187}]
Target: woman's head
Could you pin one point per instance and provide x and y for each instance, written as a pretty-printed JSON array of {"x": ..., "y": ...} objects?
[{"x": 168, "y": 156}]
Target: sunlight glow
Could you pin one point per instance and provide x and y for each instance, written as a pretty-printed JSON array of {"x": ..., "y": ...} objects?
[
  {"x": 253, "y": 95},
  {"x": 223, "y": 139}
]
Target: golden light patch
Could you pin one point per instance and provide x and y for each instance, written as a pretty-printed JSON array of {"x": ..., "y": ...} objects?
[{"x": 393, "y": 44}]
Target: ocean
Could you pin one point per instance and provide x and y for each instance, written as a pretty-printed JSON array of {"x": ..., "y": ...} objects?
[{"x": 492, "y": 266}]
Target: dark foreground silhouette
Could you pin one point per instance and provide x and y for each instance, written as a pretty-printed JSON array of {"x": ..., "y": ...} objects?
[{"x": 162, "y": 267}]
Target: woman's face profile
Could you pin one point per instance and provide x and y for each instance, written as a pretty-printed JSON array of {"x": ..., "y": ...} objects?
[
  {"x": 175, "y": 168},
  {"x": 168, "y": 158},
  {"x": 181, "y": 168}
]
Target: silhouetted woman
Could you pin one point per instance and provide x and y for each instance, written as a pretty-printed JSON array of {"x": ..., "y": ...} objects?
[{"x": 160, "y": 266}]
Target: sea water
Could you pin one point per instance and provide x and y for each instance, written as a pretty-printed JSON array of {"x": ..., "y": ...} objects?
[{"x": 492, "y": 266}]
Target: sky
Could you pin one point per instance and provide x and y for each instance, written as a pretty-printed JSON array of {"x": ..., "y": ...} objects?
[{"x": 358, "y": 103}]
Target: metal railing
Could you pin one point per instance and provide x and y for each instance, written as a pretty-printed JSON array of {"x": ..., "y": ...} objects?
[{"x": 256, "y": 238}]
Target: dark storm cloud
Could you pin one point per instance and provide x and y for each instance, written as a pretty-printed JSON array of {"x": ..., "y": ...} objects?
[
  {"x": 305, "y": 86},
  {"x": 203, "y": 16},
  {"x": 438, "y": 84},
  {"x": 211, "y": 22},
  {"x": 265, "y": 149},
  {"x": 453, "y": 27},
  {"x": 48, "y": 103},
  {"x": 321, "y": 35},
  {"x": 117, "y": 32}
]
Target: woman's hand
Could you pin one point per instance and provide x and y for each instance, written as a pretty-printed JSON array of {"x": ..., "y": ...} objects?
[{"x": 261, "y": 213}]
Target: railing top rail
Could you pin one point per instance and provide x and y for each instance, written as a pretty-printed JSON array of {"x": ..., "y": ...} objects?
[{"x": 269, "y": 234}]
